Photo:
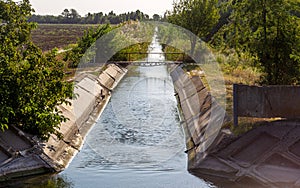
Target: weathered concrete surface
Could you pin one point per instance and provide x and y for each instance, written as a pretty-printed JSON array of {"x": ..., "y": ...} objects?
[
  {"x": 19, "y": 155},
  {"x": 24, "y": 155},
  {"x": 203, "y": 117},
  {"x": 267, "y": 101},
  {"x": 268, "y": 156}
]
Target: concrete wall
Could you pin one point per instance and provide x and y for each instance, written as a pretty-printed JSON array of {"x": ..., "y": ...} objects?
[
  {"x": 267, "y": 101},
  {"x": 23, "y": 155},
  {"x": 203, "y": 117}
]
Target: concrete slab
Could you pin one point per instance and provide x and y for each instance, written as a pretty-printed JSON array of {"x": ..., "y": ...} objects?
[{"x": 267, "y": 155}]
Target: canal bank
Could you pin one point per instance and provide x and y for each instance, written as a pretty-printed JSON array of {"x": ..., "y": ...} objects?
[
  {"x": 24, "y": 155},
  {"x": 266, "y": 156},
  {"x": 202, "y": 117}
]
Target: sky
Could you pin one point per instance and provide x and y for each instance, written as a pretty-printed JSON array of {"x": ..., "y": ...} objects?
[{"x": 56, "y": 7}]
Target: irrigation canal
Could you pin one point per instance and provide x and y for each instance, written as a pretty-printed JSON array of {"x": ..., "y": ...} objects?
[{"x": 137, "y": 142}]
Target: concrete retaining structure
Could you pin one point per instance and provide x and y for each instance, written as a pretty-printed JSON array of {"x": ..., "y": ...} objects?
[
  {"x": 203, "y": 117},
  {"x": 266, "y": 156},
  {"x": 23, "y": 155},
  {"x": 266, "y": 101}
]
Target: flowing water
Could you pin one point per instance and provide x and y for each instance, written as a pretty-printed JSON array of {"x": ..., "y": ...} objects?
[{"x": 137, "y": 142}]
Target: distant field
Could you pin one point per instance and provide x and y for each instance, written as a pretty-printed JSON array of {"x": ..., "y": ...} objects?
[{"x": 48, "y": 36}]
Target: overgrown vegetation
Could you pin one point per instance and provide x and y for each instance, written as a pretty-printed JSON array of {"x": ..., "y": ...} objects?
[
  {"x": 132, "y": 53},
  {"x": 269, "y": 32},
  {"x": 263, "y": 32},
  {"x": 198, "y": 16},
  {"x": 32, "y": 83}
]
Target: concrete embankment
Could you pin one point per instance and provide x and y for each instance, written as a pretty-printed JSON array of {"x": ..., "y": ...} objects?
[
  {"x": 202, "y": 116},
  {"x": 23, "y": 155},
  {"x": 267, "y": 156}
]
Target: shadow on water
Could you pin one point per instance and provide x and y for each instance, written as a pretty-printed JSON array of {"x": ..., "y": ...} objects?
[
  {"x": 43, "y": 181},
  {"x": 62, "y": 181}
]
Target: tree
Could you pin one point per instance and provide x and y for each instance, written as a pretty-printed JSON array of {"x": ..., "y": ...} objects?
[
  {"x": 138, "y": 15},
  {"x": 66, "y": 13},
  {"x": 155, "y": 17},
  {"x": 198, "y": 16},
  {"x": 269, "y": 31},
  {"x": 32, "y": 83},
  {"x": 98, "y": 17},
  {"x": 70, "y": 16},
  {"x": 74, "y": 15},
  {"x": 89, "y": 18}
]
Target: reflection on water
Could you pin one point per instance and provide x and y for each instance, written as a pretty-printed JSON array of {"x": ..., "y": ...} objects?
[{"x": 45, "y": 181}]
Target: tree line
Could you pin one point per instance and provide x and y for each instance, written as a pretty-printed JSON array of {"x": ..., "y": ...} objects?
[{"x": 71, "y": 16}]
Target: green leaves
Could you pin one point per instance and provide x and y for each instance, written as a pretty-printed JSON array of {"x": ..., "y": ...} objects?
[
  {"x": 198, "y": 16},
  {"x": 32, "y": 83},
  {"x": 269, "y": 31}
]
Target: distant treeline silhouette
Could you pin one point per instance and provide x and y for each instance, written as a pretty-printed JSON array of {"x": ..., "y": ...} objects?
[{"x": 71, "y": 16}]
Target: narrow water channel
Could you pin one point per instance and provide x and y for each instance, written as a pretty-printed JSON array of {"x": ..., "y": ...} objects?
[{"x": 138, "y": 141}]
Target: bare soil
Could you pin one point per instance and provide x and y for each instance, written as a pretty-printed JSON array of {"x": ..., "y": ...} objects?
[{"x": 49, "y": 36}]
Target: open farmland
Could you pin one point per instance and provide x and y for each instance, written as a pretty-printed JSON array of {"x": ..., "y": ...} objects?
[{"x": 48, "y": 36}]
